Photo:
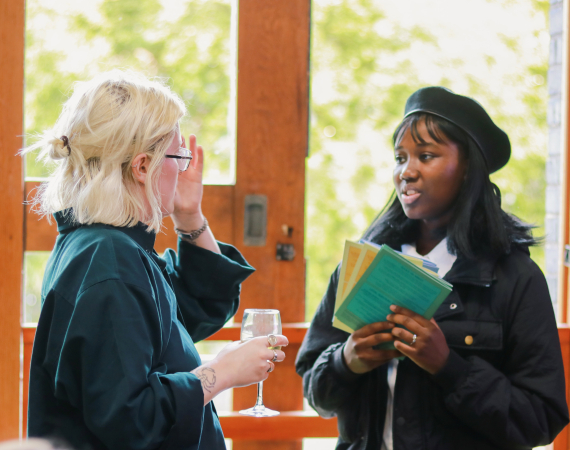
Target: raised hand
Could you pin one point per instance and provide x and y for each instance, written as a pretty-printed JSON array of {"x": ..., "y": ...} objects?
[
  {"x": 358, "y": 353},
  {"x": 429, "y": 349},
  {"x": 187, "y": 213}
]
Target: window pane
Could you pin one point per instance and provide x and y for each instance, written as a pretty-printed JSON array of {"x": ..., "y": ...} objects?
[
  {"x": 187, "y": 41},
  {"x": 367, "y": 57},
  {"x": 34, "y": 267}
]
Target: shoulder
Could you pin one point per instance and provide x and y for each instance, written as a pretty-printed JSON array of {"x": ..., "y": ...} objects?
[
  {"x": 518, "y": 265},
  {"x": 93, "y": 254},
  {"x": 521, "y": 284}
]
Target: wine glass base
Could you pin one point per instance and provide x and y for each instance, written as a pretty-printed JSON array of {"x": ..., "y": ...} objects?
[{"x": 259, "y": 411}]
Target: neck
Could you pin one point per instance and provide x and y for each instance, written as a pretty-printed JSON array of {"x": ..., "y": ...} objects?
[{"x": 430, "y": 235}]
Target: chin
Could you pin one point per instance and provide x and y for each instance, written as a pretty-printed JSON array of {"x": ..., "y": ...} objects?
[
  {"x": 414, "y": 214},
  {"x": 167, "y": 211}
]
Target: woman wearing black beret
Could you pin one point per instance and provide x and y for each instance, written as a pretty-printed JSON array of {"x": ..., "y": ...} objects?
[{"x": 486, "y": 372}]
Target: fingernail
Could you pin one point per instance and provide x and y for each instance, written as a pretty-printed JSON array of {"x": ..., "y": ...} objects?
[
  {"x": 389, "y": 317},
  {"x": 393, "y": 307}
]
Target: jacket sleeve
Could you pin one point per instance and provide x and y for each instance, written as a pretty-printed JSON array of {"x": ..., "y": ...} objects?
[
  {"x": 522, "y": 405},
  {"x": 107, "y": 368},
  {"x": 328, "y": 384},
  {"x": 207, "y": 285}
]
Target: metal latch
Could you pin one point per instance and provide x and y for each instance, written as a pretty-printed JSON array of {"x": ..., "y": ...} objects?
[{"x": 285, "y": 252}]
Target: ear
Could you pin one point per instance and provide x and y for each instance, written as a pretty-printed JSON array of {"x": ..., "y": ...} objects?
[{"x": 140, "y": 166}]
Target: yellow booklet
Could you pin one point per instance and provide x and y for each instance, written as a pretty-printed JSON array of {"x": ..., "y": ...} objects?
[{"x": 350, "y": 257}]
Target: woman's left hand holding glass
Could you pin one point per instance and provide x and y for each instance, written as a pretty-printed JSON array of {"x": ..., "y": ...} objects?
[{"x": 429, "y": 349}]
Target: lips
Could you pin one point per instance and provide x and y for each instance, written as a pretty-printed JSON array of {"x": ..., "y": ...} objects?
[{"x": 409, "y": 196}]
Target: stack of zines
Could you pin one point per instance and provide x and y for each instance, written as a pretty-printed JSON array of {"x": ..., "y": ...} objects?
[{"x": 373, "y": 277}]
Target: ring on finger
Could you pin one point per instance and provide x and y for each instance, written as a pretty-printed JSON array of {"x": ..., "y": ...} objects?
[
  {"x": 272, "y": 340},
  {"x": 271, "y": 367},
  {"x": 274, "y": 356},
  {"x": 414, "y": 339}
]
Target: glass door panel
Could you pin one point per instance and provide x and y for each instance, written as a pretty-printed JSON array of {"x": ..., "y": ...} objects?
[{"x": 191, "y": 43}]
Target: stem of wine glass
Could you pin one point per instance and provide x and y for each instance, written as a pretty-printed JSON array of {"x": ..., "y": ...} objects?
[{"x": 259, "y": 401}]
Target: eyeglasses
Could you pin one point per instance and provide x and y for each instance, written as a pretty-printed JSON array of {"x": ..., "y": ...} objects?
[{"x": 183, "y": 157}]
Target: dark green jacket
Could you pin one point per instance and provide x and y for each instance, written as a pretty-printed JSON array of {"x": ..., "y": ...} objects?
[{"x": 115, "y": 340}]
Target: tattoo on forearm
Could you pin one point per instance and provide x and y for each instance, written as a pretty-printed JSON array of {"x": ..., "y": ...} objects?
[{"x": 207, "y": 377}]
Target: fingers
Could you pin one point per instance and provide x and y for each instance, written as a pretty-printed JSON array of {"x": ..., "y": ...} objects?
[
  {"x": 197, "y": 162},
  {"x": 271, "y": 367},
  {"x": 191, "y": 143},
  {"x": 372, "y": 355},
  {"x": 373, "y": 329},
  {"x": 375, "y": 339},
  {"x": 198, "y": 159},
  {"x": 270, "y": 354},
  {"x": 281, "y": 341},
  {"x": 408, "y": 319},
  {"x": 404, "y": 335},
  {"x": 275, "y": 355}
]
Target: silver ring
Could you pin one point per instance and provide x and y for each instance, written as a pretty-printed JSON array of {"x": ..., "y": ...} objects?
[
  {"x": 271, "y": 367},
  {"x": 272, "y": 340},
  {"x": 274, "y": 356},
  {"x": 414, "y": 339}
]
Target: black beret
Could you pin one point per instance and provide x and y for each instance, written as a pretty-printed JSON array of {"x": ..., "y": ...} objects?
[{"x": 468, "y": 115}]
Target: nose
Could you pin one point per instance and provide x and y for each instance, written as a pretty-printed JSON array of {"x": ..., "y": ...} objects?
[{"x": 409, "y": 172}]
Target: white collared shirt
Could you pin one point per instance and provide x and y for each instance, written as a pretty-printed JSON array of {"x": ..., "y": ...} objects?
[{"x": 444, "y": 260}]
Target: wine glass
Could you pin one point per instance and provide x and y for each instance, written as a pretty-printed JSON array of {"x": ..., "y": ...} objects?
[{"x": 260, "y": 322}]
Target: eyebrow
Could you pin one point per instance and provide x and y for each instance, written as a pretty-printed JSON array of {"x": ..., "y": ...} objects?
[{"x": 419, "y": 144}]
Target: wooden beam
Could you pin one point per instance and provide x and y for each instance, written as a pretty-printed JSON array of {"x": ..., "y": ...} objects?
[
  {"x": 289, "y": 425},
  {"x": 12, "y": 223},
  {"x": 272, "y": 140},
  {"x": 217, "y": 206}
]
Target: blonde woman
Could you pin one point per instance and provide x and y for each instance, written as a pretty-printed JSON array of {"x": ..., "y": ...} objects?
[{"x": 114, "y": 364}]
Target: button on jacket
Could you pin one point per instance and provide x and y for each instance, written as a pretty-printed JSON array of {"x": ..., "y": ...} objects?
[
  {"x": 114, "y": 345},
  {"x": 501, "y": 388}
]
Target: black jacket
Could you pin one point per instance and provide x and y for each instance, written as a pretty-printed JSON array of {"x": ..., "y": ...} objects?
[{"x": 504, "y": 391}]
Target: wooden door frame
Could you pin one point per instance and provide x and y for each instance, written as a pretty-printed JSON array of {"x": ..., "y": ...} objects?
[{"x": 12, "y": 223}]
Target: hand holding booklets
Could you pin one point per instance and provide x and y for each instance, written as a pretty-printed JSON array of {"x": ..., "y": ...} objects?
[{"x": 374, "y": 277}]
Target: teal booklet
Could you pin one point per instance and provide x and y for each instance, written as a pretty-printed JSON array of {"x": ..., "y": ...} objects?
[{"x": 392, "y": 280}]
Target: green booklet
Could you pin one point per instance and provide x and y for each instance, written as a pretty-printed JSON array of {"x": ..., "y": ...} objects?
[{"x": 392, "y": 280}]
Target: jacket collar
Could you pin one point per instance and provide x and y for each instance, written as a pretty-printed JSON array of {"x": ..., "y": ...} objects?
[
  {"x": 479, "y": 272},
  {"x": 66, "y": 223}
]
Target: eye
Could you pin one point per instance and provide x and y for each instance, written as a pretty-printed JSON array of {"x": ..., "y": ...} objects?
[
  {"x": 426, "y": 156},
  {"x": 400, "y": 159}
]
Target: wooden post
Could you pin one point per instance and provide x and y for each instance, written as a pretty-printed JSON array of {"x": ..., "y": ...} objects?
[
  {"x": 272, "y": 139},
  {"x": 12, "y": 223}
]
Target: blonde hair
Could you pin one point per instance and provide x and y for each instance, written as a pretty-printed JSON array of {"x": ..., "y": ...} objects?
[{"x": 108, "y": 121}]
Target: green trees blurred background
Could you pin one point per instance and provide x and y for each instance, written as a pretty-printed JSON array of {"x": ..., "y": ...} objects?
[{"x": 367, "y": 56}]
